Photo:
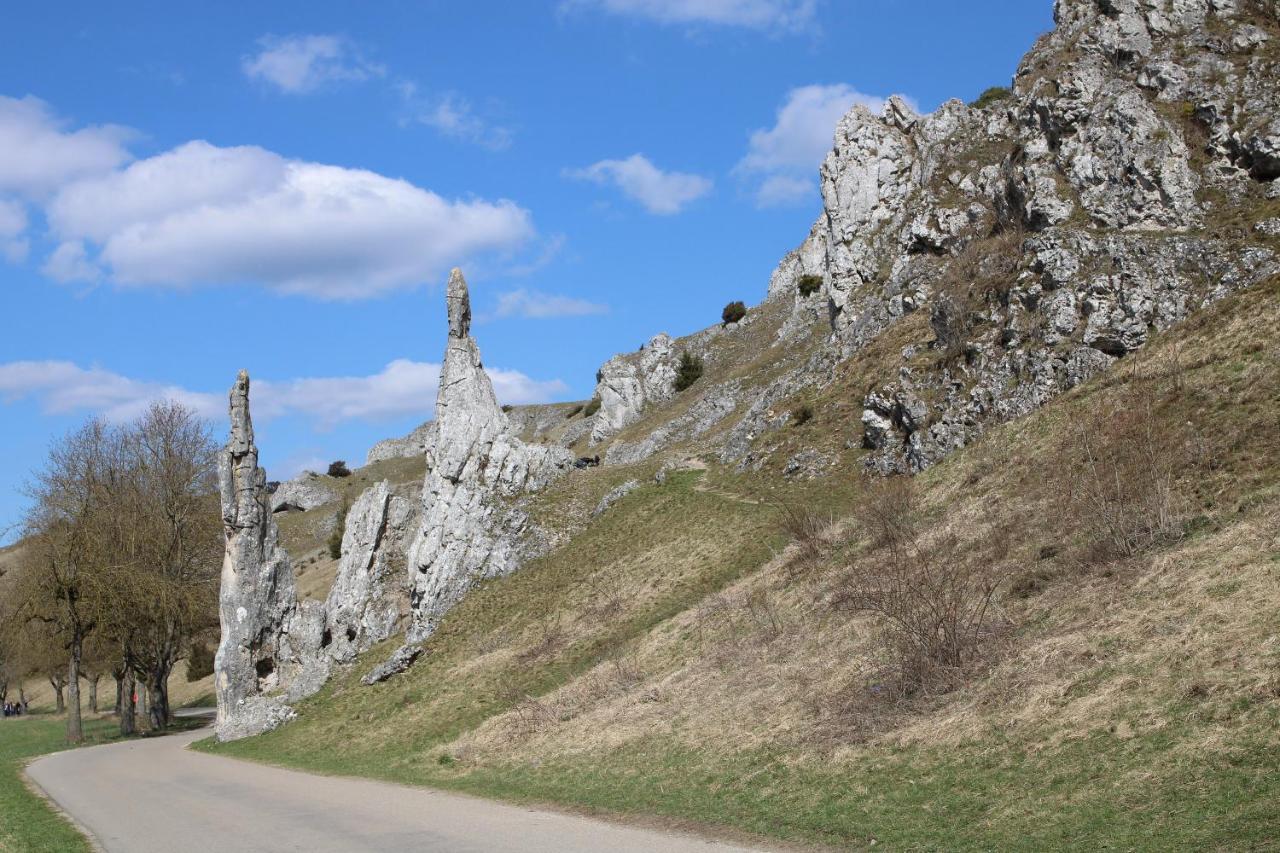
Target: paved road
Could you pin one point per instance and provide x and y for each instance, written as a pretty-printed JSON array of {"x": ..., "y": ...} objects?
[{"x": 156, "y": 796}]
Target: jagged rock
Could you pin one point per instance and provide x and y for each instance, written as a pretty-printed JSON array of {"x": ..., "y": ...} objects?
[
  {"x": 626, "y": 384},
  {"x": 403, "y": 658},
  {"x": 301, "y": 493},
  {"x": 615, "y": 494},
  {"x": 470, "y": 529},
  {"x": 420, "y": 442},
  {"x": 713, "y": 406},
  {"x": 257, "y": 599},
  {"x": 369, "y": 595}
]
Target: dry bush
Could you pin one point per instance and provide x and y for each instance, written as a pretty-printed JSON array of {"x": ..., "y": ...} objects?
[
  {"x": 1115, "y": 478},
  {"x": 607, "y": 595},
  {"x": 888, "y": 512},
  {"x": 984, "y": 269},
  {"x": 549, "y": 636},
  {"x": 933, "y": 592}
]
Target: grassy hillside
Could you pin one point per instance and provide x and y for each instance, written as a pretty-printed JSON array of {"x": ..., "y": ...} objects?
[{"x": 1122, "y": 690}]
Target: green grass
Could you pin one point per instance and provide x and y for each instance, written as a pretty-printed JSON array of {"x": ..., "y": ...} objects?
[
  {"x": 27, "y": 821},
  {"x": 1158, "y": 790}
]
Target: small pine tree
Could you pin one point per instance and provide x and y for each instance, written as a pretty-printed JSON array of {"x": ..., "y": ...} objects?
[
  {"x": 689, "y": 371},
  {"x": 339, "y": 469},
  {"x": 733, "y": 312},
  {"x": 809, "y": 284}
]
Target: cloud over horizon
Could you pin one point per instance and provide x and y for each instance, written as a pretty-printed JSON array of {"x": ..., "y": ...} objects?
[
  {"x": 657, "y": 191},
  {"x": 200, "y": 214},
  {"x": 403, "y": 387},
  {"x": 784, "y": 159},
  {"x": 776, "y": 16}
]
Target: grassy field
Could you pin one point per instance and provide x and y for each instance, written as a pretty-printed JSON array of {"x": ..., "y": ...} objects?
[{"x": 27, "y": 822}]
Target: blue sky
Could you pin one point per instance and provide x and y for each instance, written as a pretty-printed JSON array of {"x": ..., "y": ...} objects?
[{"x": 189, "y": 189}]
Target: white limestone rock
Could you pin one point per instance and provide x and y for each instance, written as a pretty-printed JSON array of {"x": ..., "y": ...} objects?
[
  {"x": 257, "y": 599},
  {"x": 301, "y": 493},
  {"x": 470, "y": 530},
  {"x": 627, "y": 384}
]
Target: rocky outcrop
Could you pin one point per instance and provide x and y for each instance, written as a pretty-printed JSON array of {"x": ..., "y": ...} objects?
[
  {"x": 627, "y": 384},
  {"x": 1049, "y": 233},
  {"x": 471, "y": 528},
  {"x": 257, "y": 600},
  {"x": 369, "y": 598},
  {"x": 275, "y": 649},
  {"x": 301, "y": 493},
  {"x": 420, "y": 442}
]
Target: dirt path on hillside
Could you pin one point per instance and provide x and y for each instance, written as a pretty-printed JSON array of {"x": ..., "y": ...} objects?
[{"x": 155, "y": 796}]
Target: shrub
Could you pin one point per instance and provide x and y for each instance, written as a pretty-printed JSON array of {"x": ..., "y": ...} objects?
[
  {"x": 574, "y": 411},
  {"x": 934, "y": 598},
  {"x": 806, "y": 527},
  {"x": 339, "y": 469},
  {"x": 591, "y": 408},
  {"x": 506, "y": 407},
  {"x": 809, "y": 284},
  {"x": 1116, "y": 479},
  {"x": 335, "y": 536},
  {"x": 733, "y": 312},
  {"x": 689, "y": 371},
  {"x": 992, "y": 96},
  {"x": 199, "y": 660},
  {"x": 801, "y": 415}
]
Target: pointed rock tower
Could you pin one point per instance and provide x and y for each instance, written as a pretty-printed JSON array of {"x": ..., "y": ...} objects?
[
  {"x": 470, "y": 530},
  {"x": 257, "y": 598}
]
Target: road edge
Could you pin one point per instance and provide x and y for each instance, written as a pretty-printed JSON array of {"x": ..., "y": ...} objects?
[{"x": 34, "y": 787}]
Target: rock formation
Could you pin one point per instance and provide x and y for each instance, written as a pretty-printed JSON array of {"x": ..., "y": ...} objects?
[
  {"x": 275, "y": 649},
  {"x": 420, "y": 442},
  {"x": 1081, "y": 197},
  {"x": 301, "y": 493},
  {"x": 627, "y": 384},
  {"x": 471, "y": 529},
  {"x": 257, "y": 598}
]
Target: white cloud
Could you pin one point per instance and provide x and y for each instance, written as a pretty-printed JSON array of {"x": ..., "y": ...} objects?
[
  {"x": 403, "y": 387},
  {"x": 38, "y": 154},
  {"x": 453, "y": 116},
  {"x": 70, "y": 262},
  {"x": 785, "y": 157},
  {"x": 298, "y": 64},
  {"x": 13, "y": 224},
  {"x": 200, "y": 214},
  {"x": 63, "y": 387},
  {"x": 536, "y": 305},
  {"x": 657, "y": 191},
  {"x": 767, "y": 15}
]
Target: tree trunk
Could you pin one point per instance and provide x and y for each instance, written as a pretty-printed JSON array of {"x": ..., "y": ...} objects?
[
  {"x": 158, "y": 698},
  {"x": 22, "y": 698},
  {"x": 75, "y": 725},
  {"x": 128, "y": 713},
  {"x": 119, "y": 679},
  {"x": 140, "y": 690},
  {"x": 60, "y": 704},
  {"x": 93, "y": 692}
]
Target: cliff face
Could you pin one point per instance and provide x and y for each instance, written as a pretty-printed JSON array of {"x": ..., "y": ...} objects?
[{"x": 1125, "y": 180}]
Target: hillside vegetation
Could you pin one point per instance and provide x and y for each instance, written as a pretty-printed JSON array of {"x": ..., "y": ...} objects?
[{"x": 712, "y": 647}]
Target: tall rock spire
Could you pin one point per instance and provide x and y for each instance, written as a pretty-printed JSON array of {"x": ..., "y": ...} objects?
[
  {"x": 257, "y": 598},
  {"x": 469, "y": 532}
]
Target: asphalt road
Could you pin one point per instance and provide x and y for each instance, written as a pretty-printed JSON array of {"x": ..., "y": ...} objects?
[{"x": 155, "y": 796}]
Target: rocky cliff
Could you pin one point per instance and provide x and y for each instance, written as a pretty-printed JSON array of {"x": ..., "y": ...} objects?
[{"x": 1124, "y": 180}]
